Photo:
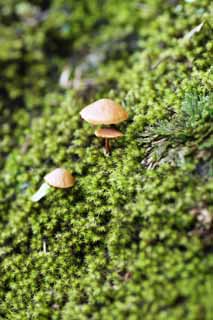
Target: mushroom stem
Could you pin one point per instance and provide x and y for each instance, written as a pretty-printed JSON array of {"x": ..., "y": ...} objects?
[
  {"x": 107, "y": 146},
  {"x": 42, "y": 191}
]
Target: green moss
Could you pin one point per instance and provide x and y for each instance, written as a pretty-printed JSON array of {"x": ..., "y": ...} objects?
[{"x": 133, "y": 238}]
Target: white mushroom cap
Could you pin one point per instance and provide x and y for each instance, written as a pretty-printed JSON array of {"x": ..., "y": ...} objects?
[
  {"x": 104, "y": 111},
  {"x": 108, "y": 133},
  {"x": 60, "y": 178}
]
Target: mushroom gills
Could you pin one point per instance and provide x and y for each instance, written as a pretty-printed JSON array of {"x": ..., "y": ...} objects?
[{"x": 42, "y": 191}]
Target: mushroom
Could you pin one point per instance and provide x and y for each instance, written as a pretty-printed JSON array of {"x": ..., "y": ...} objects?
[
  {"x": 108, "y": 133},
  {"x": 58, "y": 178},
  {"x": 107, "y": 112}
]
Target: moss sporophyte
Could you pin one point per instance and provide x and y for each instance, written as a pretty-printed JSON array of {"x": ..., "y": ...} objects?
[
  {"x": 105, "y": 112},
  {"x": 58, "y": 178}
]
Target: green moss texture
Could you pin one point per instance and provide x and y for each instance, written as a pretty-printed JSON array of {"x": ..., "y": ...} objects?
[{"x": 133, "y": 238}]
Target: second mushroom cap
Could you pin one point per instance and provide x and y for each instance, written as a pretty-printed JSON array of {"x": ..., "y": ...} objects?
[
  {"x": 108, "y": 133},
  {"x": 60, "y": 178}
]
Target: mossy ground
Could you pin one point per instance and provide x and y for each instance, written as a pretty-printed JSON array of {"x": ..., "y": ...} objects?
[{"x": 133, "y": 238}]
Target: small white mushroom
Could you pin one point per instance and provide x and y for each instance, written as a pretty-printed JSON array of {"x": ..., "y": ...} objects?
[{"x": 64, "y": 81}]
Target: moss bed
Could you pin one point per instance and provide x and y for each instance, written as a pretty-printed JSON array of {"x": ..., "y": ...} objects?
[{"x": 133, "y": 238}]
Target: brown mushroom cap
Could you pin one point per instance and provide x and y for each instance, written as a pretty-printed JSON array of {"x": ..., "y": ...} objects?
[
  {"x": 104, "y": 111},
  {"x": 60, "y": 178},
  {"x": 108, "y": 133}
]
